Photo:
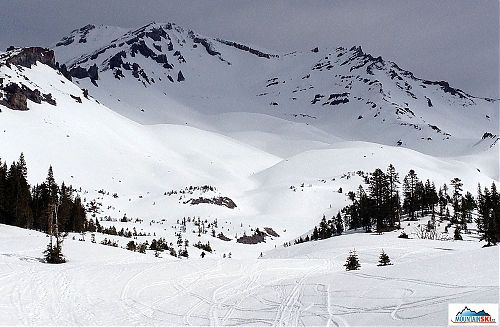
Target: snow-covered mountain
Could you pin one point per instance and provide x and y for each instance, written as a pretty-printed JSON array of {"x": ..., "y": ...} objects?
[
  {"x": 165, "y": 132},
  {"x": 130, "y": 124},
  {"x": 92, "y": 146},
  {"x": 161, "y": 71}
]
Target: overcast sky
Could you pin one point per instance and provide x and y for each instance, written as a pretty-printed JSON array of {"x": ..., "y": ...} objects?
[{"x": 452, "y": 40}]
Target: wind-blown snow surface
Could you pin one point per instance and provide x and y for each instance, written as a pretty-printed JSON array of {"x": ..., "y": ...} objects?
[{"x": 299, "y": 285}]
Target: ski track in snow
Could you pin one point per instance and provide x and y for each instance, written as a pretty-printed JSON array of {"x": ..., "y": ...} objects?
[
  {"x": 223, "y": 293},
  {"x": 302, "y": 285}
]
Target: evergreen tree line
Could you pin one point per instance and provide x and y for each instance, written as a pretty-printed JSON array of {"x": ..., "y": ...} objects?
[
  {"x": 381, "y": 205},
  {"x": 488, "y": 220},
  {"x": 34, "y": 207}
]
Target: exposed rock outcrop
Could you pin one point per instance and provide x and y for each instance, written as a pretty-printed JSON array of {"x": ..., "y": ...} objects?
[
  {"x": 220, "y": 201},
  {"x": 16, "y": 97},
  {"x": 27, "y": 57}
]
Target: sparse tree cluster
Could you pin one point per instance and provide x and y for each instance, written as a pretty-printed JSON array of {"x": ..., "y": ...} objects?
[{"x": 352, "y": 262}]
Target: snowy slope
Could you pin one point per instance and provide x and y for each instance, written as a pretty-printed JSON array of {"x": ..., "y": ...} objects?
[
  {"x": 346, "y": 93},
  {"x": 106, "y": 153},
  {"x": 107, "y": 286},
  {"x": 241, "y": 125}
]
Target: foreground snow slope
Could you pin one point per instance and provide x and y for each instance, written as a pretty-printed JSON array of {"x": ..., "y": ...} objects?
[{"x": 299, "y": 285}]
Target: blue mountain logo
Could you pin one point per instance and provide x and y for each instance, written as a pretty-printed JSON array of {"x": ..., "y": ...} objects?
[
  {"x": 468, "y": 312},
  {"x": 470, "y": 316}
]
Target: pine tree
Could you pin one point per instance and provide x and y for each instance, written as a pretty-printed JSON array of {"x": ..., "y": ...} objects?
[
  {"x": 352, "y": 262},
  {"x": 419, "y": 196},
  {"x": 339, "y": 226},
  {"x": 393, "y": 194},
  {"x": 3, "y": 177},
  {"x": 378, "y": 188},
  {"x": 384, "y": 259},
  {"x": 131, "y": 246},
  {"x": 353, "y": 212},
  {"x": 51, "y": 185},
  {"x": 410, "y": 185},
  {"x": 364, "y": 209},
  {"x": 457, "y": 194},
  {"x": 457, "y": 236},
  {"x": 53, "y": 253},
  {"x": 18, "y": 195}
]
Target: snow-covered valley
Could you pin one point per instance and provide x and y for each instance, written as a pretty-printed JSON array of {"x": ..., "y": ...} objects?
[{"x": 169, "y": 134}]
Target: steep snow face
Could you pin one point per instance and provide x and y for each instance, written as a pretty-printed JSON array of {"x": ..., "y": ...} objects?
[
  {"x": 86, "y": 39},
  {"x": 360, "y": 97},
  {"x": 161, "y": 73}
]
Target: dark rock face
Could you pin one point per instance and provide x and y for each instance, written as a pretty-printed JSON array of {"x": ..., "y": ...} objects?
[
  {"x": 447, "y": 88},
  {"x": 64, "y": 71},
  {"x": 82, "y": 32},
  {"x": 156, "y": 34},
  {"x": 116, "y": 61},
  {"x": 76, "y": 98},
  {"x": 93, "y": 72},
  {"x": 220, "y": 201},
  {"x": 79, "y": 72},
  {"x": 248, "y": 49},
  {"x": 29, "y": 56},
  {"x": 16, "y": 97},
  {"x": 205, "y": 43},
  {"x": 257, "y": 237},
  {"x": 16, "y": 101},
  {"x": 223, "y": 237},
  {"x": 488, "y": 135},
  {"x": 271, "y": 232},
  {"x": 180, "y": 77}
]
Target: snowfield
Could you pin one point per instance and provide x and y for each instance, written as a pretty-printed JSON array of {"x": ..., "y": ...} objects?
[
  {"x": 245, "y": 140},
  {"x": 302, "y": 285}
]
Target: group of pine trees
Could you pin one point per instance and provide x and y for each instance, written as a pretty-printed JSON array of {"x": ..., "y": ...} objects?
[
  {"x": 352, "y": 262},
  {"x": 46, "y": 207},
  {"x": 383, "y": 201},
  {"x": 33, "y": 207},
  {"x": 488, "y": 220},
  {"x": 381, "y": 206}
]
